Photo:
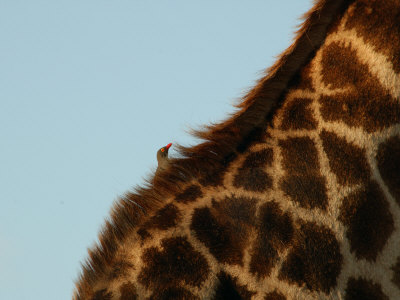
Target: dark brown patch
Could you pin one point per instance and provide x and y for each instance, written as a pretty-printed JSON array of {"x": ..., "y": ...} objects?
[
  {"x": 315, "y": 259},
  {"x": 341, "y": 67},
  {"x": 362, "y": 289},
  {"x": 213, "y": 178},
  {"x": 215, "y": 174},
  {"x": 388, "y": 158},
  {"x": 396, "y": 273},
  {"x": 165, "y": 218},
  {"x": 368, "y": 219},
  {"x": 367, "y": 104},
  {"x": 224, "y": 227},
  {"x": 228, "y": 288},
  {"x": 178, "y": 262},
  {"x": 303, "y": 182},
  {"x": 298, "y": 115},
  {"x": 378, "y": 24},
  {"x": 190, "y": 194},
  {"x": 143, "y": 233},
  {"x": 307, "y": 190},
  {"x": 274, "y": 233},
  {"x": 299, "y": 155},
  {"x": 172, "y": 293},
  {"x": 347, "y": 161},
  {"x": 128, "y": 291},
  {"x": 238, "y": 211},
  {"x": 102, "y": 295},
  {"x": 358, "y": 110},
  {"x": 251, "y": 175},
  {"x": 274, "y": 296}
]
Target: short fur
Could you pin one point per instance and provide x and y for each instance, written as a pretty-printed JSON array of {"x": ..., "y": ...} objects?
[
  {"x": 220, "y": 141},
  {"x": 304, "y": 183}
]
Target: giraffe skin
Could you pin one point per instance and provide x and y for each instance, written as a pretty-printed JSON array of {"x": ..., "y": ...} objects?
[{"x": 308, "y": 207}]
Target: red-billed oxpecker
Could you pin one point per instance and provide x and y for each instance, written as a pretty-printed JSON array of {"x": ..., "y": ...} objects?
[{"x": 162, "y": 158}]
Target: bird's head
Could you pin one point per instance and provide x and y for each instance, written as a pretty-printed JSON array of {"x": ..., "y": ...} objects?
[{"x": 162, "y": 153}]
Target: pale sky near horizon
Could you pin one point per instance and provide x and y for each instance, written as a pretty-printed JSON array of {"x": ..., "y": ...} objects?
[{"x": 89, "y": 90}]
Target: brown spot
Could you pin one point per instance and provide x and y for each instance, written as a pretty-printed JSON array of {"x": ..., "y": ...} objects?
[
  {"x": 172, "y": 293},
  {"x": 212, "y": 178},
  {"x": 190, "y": 194},
  {"x": 274, "y": 296},
  {"x": 275, "y": 231},
  {"x": 299, "y": 155},
  {"x": 367, "y": 104},
  {"x": 298, "y": 115},
  {"x": 356, "y": 110},
  {"x": 369, "y": 221},
  {"x": 102, "y": 295},
  {"x": 388, "y": 158},
  {"x": 228, "y": 288},
  {"x": 315, "y": 259},
  {"x": 165, "y": 218},
  {"x": 251, "y": 175},
  {"x": 239, "y": 211},
  {"x": 128, "y": 291},
  {"x": 214, "y": 173},
  {"x": 143, "y": 233},
  {"x": 362, "y": 289},
  {"x": 224, "y": 228},
  {"x": 396, "y": 273},
  {"x": 341, "y": 67},
  {"x": 303, "y": 182},
  {"x": 378, "y": 24},
  {"x": 347, "y": 161},
  {"x": 307, "y": 190},
  {"x": 178, "y": 262}
]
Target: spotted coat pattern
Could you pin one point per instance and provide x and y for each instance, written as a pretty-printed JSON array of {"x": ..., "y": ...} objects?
[{"x": 309, "y": 209}]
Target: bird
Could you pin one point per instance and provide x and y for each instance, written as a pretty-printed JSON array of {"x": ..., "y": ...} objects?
[{"x": 162, "y": 158}]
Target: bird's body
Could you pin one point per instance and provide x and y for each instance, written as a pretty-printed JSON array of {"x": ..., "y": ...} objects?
[{"x": 162, "y": 158}]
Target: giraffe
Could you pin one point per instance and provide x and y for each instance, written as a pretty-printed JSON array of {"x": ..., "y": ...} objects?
[{"x": 296, "y": 196}]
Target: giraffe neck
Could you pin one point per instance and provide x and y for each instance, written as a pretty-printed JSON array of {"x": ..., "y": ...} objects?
[{"x": 307, "y": 209}]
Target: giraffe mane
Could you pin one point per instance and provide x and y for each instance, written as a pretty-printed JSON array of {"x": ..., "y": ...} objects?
[{"x": 220, "y": 143}]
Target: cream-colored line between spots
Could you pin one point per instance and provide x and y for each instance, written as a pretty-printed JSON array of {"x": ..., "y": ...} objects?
[
  {"x": 299, "y": 93},
  {"x": 353, "y": 135},
  {"x": 376, "y": 273},
  {"x": 284, "y": 134},
  {"x": 314, "y": 215},
  {"x": 381, "y": 136},
  {"x": 261, "y": 146},
  {"x": 347, "y": 268},
  {"x": 232, "y": 171},
  {"x": 386, "y": 257}
]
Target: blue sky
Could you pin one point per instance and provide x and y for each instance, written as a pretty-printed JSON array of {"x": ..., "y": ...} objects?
[{"x": 89, "y": 90}]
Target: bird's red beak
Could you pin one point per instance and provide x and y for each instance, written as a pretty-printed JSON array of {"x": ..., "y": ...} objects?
[{"x": 169, "y": 145}]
